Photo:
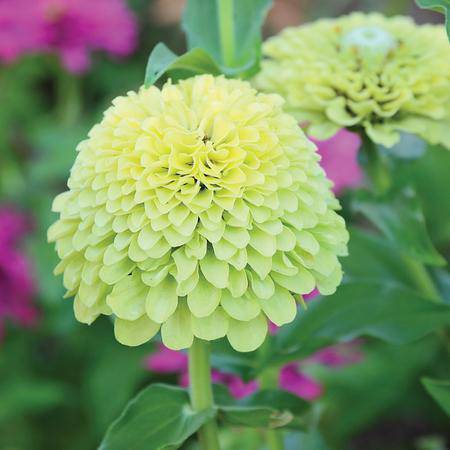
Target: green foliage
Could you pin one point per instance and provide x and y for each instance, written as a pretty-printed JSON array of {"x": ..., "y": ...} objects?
[
  {"x": 442, "y": 6},
  {"x": 202, "y": 24},
  {"x": 160, "y": 416},
  {"x": 401, "y": 220},
  {"x": 163, "y": 61},
  {"x": 264, "y": 409},
  {"x": 440, "y": 391}
]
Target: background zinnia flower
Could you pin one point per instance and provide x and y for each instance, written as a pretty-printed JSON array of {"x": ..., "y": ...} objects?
[
  {"x": 199, "y": 208},
  {"x": 382, "y": 74},
  {"x": 17, "y": 286},
  {"x": 70, "y": 28},
  {"x": 340, "y": 159}
]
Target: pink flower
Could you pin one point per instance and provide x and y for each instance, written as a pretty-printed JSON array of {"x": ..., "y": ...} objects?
[
  {"x": 22, "y": 28},
  {"x": 291, "y": 377},
  {"x": 70, "y": 28},
  {"x": 17, "y": 286},
  {"x": 76, "y": 27},
  {"x": 339, "y": 159},
  {"x": 293, "y": 380}
]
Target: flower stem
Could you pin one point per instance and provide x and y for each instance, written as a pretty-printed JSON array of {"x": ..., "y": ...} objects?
[
  {"x": 201, "y": 391},
  {"x": 226, "y": 29},
  {"x": 376, "y": 166},
  {"x": 274, "y": 438}
]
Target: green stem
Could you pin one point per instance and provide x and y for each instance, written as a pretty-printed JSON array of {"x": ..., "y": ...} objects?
[
  {"x": 422, "y": 279},
  {"x": 269, "y": 380},
  {"x": 201, "y": 391},
  {"x": 226, "y": 29},
  {"x": 376, "y": 166}
]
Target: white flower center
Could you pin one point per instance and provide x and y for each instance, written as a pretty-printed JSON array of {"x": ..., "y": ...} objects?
[{"x": 369, "y": 40}]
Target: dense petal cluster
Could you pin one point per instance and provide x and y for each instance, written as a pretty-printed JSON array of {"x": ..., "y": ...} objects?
[
  {"x": 200, "y": 209},
  {"x": 72, "y": 29},
  {"x": 382, "y": 74},
  {"x": 17, "y": 286}
]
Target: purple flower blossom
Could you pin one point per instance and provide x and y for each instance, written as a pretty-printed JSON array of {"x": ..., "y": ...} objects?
[
  {"x": 70, "y": 28},
  {"x": 17, "y": 286},
  {"x": 22, "y": 29},
  {"x": 339, "y": 159},
  {"x": 291, "y": 377}
]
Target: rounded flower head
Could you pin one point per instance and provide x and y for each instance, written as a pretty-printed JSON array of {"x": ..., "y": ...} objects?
[
  {"x": 199, "y": 209},
  {"x": 382, "y": 74}
]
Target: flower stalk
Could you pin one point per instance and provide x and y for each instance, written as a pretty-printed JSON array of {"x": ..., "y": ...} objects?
[
  {"x": 201, "y": 391},
  {"x": 226, "y": 30}
]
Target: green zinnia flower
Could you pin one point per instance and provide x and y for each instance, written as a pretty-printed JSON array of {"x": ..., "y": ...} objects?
[
  {"x": 199, "y": 209},
  {"x": 383, "y": 74}
]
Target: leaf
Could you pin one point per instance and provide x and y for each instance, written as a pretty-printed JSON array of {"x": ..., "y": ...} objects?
[
  {"x": 442, "y": 6},
  {"x": 159, "y": 416},
  {"x": 429, "y": 175},
  {"x": 440, "y": 391},
  {"x": 400, "y": 219},
  {"x": 162, "y": 60},
  {"x": 264, "y": 409},
  {"x": 202, "y": 26},
  {"x": 376, "y": 308}
]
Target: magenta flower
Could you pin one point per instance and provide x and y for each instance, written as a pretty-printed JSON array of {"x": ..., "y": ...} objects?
[
  {"x": 168, "y": 361},
  {"x": 70, "y": 28},
  {"x": 22, "y": 29},
  {"x": 339, "y": 159},
  {"x": 17, "y": 286},
  {"x": 291, "y": 377},
  {"x": 76, "y": 27}
]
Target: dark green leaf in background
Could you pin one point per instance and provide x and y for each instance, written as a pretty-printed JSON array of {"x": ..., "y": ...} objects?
[
  {"x": 202, "y": 27},
  {"x": 375, "y": 308},
  {"x": 162, "y": 60},
  {"x": 440, "y": 391},
  {"x": 158, "y": 417},
  {"x": 401, "y": 220},
  {"x": 264, "y": 409}
]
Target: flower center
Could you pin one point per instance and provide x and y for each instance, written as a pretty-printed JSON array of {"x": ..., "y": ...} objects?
[{"x": 370, "y": 40}]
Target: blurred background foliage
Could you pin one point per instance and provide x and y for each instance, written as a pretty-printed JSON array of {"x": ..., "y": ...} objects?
[{"x": 62, "y": 383}]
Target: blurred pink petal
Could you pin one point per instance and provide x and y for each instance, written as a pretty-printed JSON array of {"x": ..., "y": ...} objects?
[
  {"x": 339, "y": 159},
  {"x": 339, "y": 355},
  {"x": 76, "y": 27},
  {"x": 314, "y": 293},
  {"x": 291, "y": 379},
  {"x": 17, "y": 284},
  {"x": 236, "y": 386},
  {"x": 164, "y": 360},
  {"x": 70, "y": 28},
  {"x": 22, "y": 29}
]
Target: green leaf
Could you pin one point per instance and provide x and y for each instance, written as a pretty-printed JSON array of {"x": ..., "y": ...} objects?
[
  {"x": 264, "y": 409},
  {"x": 400, "y": 219},
  {"x": 162, "y": 60},
  {"x": 440, "y": 391},
  {"x": 202, "y": 26},
  {"x": 442, "y": 6},
  {"x": 376, "y": 308},
  {"x": 159, "y": 416}
]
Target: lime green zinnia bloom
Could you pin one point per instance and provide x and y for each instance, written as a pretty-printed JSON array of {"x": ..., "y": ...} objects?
[
  {"x": 199, "y": 209},
  {"x": 382, "y": 74}
]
